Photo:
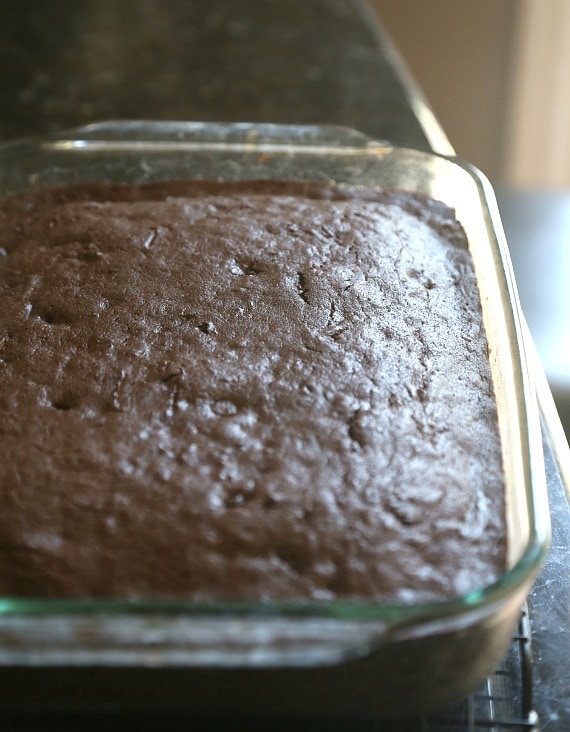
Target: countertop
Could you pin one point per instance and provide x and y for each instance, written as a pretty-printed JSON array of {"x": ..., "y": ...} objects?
[{"x": 64, "y": 63}]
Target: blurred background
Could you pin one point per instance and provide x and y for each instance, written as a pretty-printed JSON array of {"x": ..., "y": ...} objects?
[{"x": 497, "y": 75}]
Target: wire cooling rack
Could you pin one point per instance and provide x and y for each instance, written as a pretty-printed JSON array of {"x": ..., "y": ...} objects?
[{"x": 504, "y": 702}]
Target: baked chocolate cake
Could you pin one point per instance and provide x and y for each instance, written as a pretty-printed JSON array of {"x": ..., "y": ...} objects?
[{"x": 243, "y": 391}]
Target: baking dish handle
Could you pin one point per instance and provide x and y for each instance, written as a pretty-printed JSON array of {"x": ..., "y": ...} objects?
[
  {"x": 219, "y": 133},
  {"x": 177, "y": 640}
]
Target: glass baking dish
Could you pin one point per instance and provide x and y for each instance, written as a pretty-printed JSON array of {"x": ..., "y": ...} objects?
[{"x": 352, "y": 659}]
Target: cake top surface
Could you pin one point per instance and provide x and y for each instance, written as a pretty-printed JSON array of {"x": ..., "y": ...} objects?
[{"x": 256, "y": 390}]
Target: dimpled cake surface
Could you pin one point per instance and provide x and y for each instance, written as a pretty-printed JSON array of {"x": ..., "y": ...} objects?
[{"x": 255, "y": 390}]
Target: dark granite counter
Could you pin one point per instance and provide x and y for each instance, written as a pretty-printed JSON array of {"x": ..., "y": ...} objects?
[{"x": 64, "y": 63}]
